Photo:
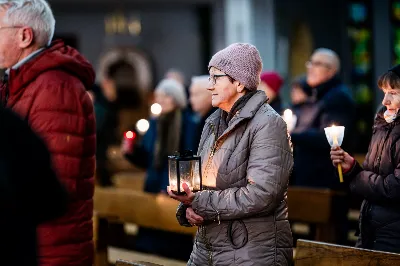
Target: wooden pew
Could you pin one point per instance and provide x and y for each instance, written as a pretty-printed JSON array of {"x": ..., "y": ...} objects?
[
  {"x": 130, "y": 206},
  {"x": 314, "y": 206},
  {"x": 307, "y": 205},
  {"x": 141, "y": 208},
  {"x": 130, "y": 180},
  {"x": 324, "y": 254},
  {"x": 140, "y": 263}
]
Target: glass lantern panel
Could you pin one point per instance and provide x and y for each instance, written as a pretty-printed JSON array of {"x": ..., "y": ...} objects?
[
  {"x": 186, "y": 173},
  {"x": 196, "y": 175},
  {"x": 172, "y": 175}
]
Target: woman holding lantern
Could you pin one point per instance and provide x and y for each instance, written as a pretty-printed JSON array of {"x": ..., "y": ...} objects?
[
  {"x": 246, "y": 162},
  {"x": 378, "y": 179}
]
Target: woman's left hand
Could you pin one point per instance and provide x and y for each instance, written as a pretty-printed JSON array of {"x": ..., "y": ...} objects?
[
  {"x": 185, "y": 199},
  {"x": 193, "y": 218}
]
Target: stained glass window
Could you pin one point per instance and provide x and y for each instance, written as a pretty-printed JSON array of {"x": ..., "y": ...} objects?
[
  {"x": 359, "y": 29},
  {"x": 395, "y": 19}
]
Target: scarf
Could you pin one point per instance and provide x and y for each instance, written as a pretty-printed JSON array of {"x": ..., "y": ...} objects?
[
  {"x": 227, "y": 117},
  {"x": 389, "y": 116}
]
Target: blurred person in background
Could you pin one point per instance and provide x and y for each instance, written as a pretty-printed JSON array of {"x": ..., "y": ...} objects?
[
  {"x": 377, "y": 180},
  {"x": 271, "y": 83},
  {"x": 300, "y": 92},
  {"x": 300, "y": 95},
  {"x": 200, "y": 100},
  {"x": 331, "y": 103},
  {"x": 247, "y": 159},
  {"x": 170, "y": 132},
  {"x": 111, "y": 94},
  {"x": 178, "y": 75},
  {"x": 175, "y": 74},
  {"x": 30, "y": 192},
  {"x": 45, "y": 84}
]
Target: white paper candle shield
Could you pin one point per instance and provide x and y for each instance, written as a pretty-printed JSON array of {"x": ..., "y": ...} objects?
[
  {"x": 334, "y": 135},
  {"x": 290, "y": 119}
]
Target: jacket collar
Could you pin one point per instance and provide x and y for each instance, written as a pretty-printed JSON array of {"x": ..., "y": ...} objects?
[
  {"x": 320, "y": 90},
  {"x": 247, "y": 112},
  {"x": 380, "y": 121}
]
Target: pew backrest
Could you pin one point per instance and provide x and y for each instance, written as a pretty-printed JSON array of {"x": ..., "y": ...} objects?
[{"x": 324, "y": 254}]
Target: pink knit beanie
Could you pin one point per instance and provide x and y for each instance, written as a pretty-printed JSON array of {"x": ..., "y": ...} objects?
[
  {"x": 273, "y": 80},
  {"x": 241, "y": 61}
]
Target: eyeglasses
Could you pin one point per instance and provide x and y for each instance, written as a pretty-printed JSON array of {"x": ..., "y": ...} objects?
[
  {"x": 310, "y": 64},
  {"x": 213, "y": 78},
  {"x": 10, "y": 27}
]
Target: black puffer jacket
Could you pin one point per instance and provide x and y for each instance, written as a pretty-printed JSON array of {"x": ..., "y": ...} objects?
[{"x": 378, "y": 181}]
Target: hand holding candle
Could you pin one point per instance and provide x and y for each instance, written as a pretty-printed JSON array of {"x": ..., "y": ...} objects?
[{"x": 335, "y": 135}]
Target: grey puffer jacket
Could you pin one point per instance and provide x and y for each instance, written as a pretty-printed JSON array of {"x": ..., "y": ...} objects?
[{"x": 246, "y": 171}]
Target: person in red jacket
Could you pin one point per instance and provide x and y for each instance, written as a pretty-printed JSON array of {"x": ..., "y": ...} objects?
[{"x": 46, "y": 86}]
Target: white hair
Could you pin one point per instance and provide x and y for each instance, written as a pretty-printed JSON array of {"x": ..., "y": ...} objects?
[
  {"x": 175, "y": 74},
  {"x": 36, "y": 14},
  {"x": 201, "y": 81},
  {"x": 332, "y": 54},
  {"x": 174, "y": 89}
]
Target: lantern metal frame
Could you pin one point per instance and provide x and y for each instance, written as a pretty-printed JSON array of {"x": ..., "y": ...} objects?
[{"x": 184, "y": 156}]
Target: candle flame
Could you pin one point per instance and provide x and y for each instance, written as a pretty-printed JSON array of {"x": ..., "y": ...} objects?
[
  {"x": 287, "y": 113},
  {"x": 156, "y": 109},
  {"x": 142, "y": 125},
  {"x": 129, "y": 135}
]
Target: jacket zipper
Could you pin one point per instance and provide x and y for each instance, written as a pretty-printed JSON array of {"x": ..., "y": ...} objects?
[
  {"x": 203, "y": 228},
  {"x": 379, "y": 158},
  {"x": 208, "y": 165}
]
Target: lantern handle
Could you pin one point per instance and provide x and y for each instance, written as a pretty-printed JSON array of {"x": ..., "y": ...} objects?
[{"x": 187, "y": 153}]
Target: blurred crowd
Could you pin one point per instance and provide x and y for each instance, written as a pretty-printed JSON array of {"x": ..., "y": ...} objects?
[{"x": 59, "y": 124}]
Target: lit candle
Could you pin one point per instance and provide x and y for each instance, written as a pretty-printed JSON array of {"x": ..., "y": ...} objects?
[
  {"x": 335, "y": 135},
  {"x": 155, "y": 109},
  {"x": 142, "y": 126},
  {"x": 290, "y": 119},
  {"x": 128, "y": 141},
  {"x": 287, "y": 115},
  {"x": 173, "y": 185}
]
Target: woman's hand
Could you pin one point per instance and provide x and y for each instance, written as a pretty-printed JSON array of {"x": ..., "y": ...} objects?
[
  {"x": 185, "y": 199},
  {"x": 193, "y": 218},
  {"x": 340, "y": 156}
]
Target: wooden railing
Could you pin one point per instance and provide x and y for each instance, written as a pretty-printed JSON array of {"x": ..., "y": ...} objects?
[{"x": 324, "y": 254}]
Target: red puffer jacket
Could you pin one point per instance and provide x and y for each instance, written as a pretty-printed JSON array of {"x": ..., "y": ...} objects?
[{"x": 50, "y": 92}]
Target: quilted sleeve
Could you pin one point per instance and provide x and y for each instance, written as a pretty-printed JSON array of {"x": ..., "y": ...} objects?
[
  {"x": 62, "y": 114},
  {"x": 269, "y": 166}
]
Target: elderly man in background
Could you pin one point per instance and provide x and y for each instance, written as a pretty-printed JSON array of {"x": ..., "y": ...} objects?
[
  {"x": 331, "y": 103},
  {"x": 200, "y": 100},
  {"x": 46, "y": 86}
]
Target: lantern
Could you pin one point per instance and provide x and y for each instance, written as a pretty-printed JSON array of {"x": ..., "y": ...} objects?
[{"x": 184, "y": 168}]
